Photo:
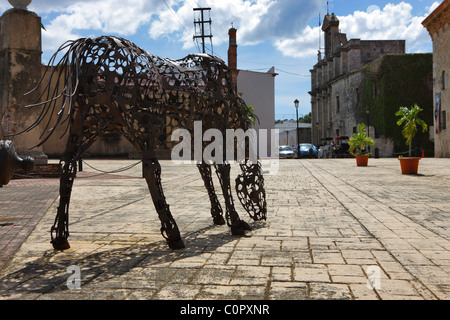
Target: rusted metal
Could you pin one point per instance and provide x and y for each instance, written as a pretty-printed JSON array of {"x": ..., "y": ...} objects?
[{"x": 111, "y": 85}]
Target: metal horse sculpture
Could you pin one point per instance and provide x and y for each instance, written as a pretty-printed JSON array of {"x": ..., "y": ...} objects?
[{"x": 111, "y": 85}]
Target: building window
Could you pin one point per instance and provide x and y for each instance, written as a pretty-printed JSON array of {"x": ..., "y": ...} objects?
[
  {"x": 444, "y": 84},
  {"x": 443, "y": 120},
  {"x": 358, "y": 97},
  {"x": 375, "y": 90},
  {"x": 338, "y": 105}
]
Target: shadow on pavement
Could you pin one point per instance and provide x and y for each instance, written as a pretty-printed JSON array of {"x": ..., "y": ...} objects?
[{"x": 48, "y": 274}]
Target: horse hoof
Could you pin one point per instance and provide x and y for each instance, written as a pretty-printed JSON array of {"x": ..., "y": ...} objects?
[
  {"x": 237, "y": 231},
  {"x": 239, "y": 228},
  {"x": 176, "y": 245},
  {"x": 219, "y": 221},
  {"x": 60, "y": 244},
  {"x": 246, "y": 226}
]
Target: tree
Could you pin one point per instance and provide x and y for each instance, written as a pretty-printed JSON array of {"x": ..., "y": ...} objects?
[
  {"x": 410, "y": 121},
  {"x": 360, "y": 141},
  {"x": 306, "y": 118}
]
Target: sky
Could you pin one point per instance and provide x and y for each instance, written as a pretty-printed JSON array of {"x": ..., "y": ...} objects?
[{"x": 284, "y": 34}]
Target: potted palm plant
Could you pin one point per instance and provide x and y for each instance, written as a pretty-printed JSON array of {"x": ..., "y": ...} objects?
[
  {"x": 359, "y": 144},
  {"x": 409, "y": 118}
]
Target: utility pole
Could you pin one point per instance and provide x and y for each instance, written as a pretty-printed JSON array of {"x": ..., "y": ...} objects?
[{"x": 201, "y": 22}]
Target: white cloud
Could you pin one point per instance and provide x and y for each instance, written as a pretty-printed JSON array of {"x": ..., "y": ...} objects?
[
  {"x": 256, "y": 20},
  {"x": 283, "y": 22},
  {"x": 119, "y": 17},
  {"x": 393, "y": 22},
  {"x": 304, "y": 45}
]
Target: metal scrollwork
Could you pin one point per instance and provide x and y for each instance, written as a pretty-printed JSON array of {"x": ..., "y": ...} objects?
[{"x": 250, "y": 191}]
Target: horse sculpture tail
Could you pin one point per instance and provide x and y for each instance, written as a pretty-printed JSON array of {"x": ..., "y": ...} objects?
[{"x": 65, "y": 75}]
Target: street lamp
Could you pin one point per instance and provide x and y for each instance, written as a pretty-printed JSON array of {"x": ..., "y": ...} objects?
[
  {"x": 296, "y": 102},
  {"x": 368, "y": 123},
  {"x": 317, "y": 130}
]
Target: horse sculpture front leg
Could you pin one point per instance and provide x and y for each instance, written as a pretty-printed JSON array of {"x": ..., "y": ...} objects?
[
  {"x": 152, "y": 174},
  {"x": 238, "y": 226}
]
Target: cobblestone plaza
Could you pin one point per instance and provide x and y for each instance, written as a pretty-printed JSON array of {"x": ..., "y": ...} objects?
[{"x": 334, "y": 231}]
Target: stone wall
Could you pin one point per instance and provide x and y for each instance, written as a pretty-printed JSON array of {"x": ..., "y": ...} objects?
[
  {"x": 372, "y": 50},
  {"x": 346, "y": 112},
  {"x": 391, "y": 82},
  {"x": 441, "y": 66},
  {"x": 382, "y": 85},
  {"x": 20, "y": 60},
  {"x": 438, "y": 26}
]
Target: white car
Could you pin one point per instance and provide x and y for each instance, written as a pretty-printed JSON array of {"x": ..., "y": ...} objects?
[{"x": 286, "y": 152}]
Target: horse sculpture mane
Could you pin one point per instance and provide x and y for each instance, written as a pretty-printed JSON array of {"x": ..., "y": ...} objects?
[{"x": 110, "y": 85}]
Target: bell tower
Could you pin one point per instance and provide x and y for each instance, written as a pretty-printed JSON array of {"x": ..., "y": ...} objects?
[{"x": 331, "y": 29}]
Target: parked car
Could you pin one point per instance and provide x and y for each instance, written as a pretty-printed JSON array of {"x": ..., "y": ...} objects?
[
  {"x": 286, "y": 152},
  {"x": 308, "y": 150}
]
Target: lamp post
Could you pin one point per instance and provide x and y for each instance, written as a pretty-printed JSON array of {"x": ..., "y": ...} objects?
[
  {"x": 317, "y": 130},
  {"x": 296, "y": 102},
  {"x": 368, "y": 123}
]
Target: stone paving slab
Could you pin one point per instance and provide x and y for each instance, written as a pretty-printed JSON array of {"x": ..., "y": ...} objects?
[
  {"x": 22, "y": 204},
  {"x": 331, "y": 228}
]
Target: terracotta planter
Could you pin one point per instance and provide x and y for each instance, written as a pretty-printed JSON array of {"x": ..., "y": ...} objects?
[
  {"x": 362, "y": 160},
  {"x": 409, "y": 165}
]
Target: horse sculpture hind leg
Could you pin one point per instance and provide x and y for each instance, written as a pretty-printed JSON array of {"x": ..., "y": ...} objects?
[
  {"x": 60, "y": 229},
  {"x": 152, "y": 174},
  {"x": 81, "y": 136}
]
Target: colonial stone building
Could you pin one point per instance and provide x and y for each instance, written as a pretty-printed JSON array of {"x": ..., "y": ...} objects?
[
  {"x": 349, "y": 86},
  {"x": 341, "y": 58},
  {"x": 437, "y": 24}
]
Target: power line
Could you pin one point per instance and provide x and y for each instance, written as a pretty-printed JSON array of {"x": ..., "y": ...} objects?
[
  {"x": 176, "y": 16},
  {"x": 277, "y": 63},
  {"x": 294, "y": 74},
  {"x": 190, "y": 5}
]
